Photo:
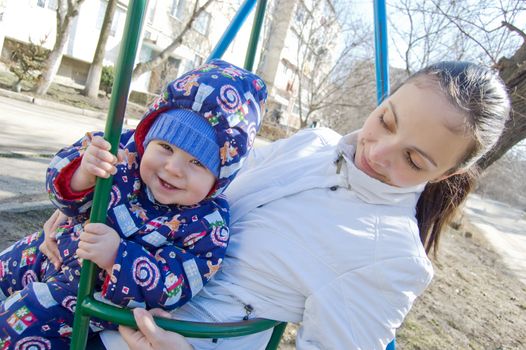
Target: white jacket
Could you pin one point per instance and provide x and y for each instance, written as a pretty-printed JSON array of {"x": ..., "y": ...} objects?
[{"x": 346, "y": 262}]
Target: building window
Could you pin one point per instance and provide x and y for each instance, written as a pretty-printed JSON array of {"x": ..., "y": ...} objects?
[
  {"x": 116, "y": 17},
  {"x": 296, "y": 109},
  {"x": 100, "y": 15},
  {"x": 198, "y": 60},
  {"x": 178, "y": 9},
  {"x": 119, "y": 13},
  {"x": 300, "y": 14},
  {"x": 202, "y": 23},
  {"x": 151, "y": 13},
  {"x": 50, "y": 4}
]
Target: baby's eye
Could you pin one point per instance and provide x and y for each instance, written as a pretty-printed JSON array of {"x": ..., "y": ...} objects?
[
  {"x": 196, "y": 162},
  {"x": 165, "y": 146}
]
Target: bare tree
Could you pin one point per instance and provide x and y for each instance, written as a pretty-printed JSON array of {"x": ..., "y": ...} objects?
[
  {"x": 484, "y": 31},
  {"x": 66, "y": 12},
  {"x": 143, "y": 67},
  {"x": 422, "y": 33},
  {"x": 327, "y": 51},
  {"x": 95, "y": 71}
]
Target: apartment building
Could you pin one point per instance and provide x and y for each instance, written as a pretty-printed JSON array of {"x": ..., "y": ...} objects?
[
  {"x": 35, "y": 20},
  {"x": 291, "y": 42}
]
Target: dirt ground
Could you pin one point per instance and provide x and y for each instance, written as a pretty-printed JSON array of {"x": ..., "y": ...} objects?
[{"x": 473, "y": 302}]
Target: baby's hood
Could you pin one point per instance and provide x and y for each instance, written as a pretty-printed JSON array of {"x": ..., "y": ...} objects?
[{"x": 230, "y": 98}]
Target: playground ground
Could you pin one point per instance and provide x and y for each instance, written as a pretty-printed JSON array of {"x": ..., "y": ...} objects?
[{"x": 476, "y": 301}]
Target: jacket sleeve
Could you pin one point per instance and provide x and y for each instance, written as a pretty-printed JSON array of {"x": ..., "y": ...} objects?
[
  {"x": 59, "y": 173},
  {"x": 175, "y": 272},
  {"x": 362, "y": 309}
]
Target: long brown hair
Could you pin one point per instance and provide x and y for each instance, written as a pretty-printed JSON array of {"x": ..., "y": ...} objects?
[
  {"x": 438, "y": 205},
  {"x": 481, "y": 95}
]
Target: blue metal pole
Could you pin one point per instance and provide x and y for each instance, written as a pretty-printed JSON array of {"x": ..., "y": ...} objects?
[
  {"x": 232, "y": 29},
  {"x": 382, "y": 67},
  {"x": 391, "y": 345},
  {"x": 380, "y": 43}
]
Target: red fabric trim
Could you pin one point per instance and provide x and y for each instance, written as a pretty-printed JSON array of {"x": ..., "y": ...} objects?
[
  {"x": 213, "y": 189},
  {"x": 107, "y": 281},
  {"x": 63, "y": 182},
  {"x": 143, "y": 127}
]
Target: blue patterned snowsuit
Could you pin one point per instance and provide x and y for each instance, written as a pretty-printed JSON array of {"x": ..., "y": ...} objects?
[{"x": 166, "y": 253}]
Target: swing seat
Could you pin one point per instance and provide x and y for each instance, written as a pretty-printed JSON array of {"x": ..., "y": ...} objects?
[{"x": 188, "y": 329}]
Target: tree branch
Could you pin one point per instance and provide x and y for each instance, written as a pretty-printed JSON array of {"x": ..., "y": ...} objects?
[{"x": 512, "y": 28}]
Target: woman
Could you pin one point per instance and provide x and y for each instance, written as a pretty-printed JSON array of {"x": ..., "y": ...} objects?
[{"x": 333, "y": 232}]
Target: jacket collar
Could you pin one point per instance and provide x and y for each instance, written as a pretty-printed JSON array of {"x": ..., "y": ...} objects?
[{"x": 369, "y": 189}]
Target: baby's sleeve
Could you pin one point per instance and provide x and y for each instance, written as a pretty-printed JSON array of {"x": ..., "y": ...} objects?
[
  {"x": 175, "y": 272},
  {"x": 60, "y": 171},
  {"x": 58, "y": 178}
]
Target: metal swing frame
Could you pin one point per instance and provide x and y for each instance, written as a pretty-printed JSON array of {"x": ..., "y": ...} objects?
[{"x": 87, "y": 306}]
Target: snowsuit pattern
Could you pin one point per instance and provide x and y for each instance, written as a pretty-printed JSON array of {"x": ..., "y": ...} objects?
[{"x": 167, "y": 252}]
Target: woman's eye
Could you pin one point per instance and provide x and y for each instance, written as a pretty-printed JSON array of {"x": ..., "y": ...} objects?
[
  {"x": 384, "y": 124},
  {"x": 411, "y": 163}
]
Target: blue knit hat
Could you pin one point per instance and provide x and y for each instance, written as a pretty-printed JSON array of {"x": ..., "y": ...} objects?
[
  {"x": 190, "y": 132},
  {"x": 229, "y": 98}
]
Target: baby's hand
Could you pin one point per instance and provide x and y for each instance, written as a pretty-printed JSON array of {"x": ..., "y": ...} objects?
[
  {"x": 99, "y": 243},
  {"x": 49, "y": 247},
  {"x": 97, "y": 160}
]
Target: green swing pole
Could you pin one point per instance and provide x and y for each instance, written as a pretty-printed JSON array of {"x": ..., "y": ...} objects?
[
  {"x": 112, "y": 132},
  {"x": 254, "y": 35}
]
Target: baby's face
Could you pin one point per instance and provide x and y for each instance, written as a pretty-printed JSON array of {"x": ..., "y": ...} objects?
[{"x": 173, "y": 175}]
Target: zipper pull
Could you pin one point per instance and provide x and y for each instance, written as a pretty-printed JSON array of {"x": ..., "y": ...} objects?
[
  {"x": 248, "y": 310},
  {"x": 339, "y": 162}
]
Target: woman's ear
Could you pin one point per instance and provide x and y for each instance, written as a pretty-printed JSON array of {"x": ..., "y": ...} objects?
[{"x": 449, "y": 174}]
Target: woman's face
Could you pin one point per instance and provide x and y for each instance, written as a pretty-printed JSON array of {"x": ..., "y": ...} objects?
[{"x": 413, "y": 137}]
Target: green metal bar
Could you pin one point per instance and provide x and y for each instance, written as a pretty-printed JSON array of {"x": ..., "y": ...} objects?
[
  {"x": 186, "y": 328},
  {"x": 121, "y": 87},
  {"x": 276, "y": 336},
  {"x": 254, "y": 35}
]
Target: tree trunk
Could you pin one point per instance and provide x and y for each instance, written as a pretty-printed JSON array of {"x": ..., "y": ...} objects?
[
  {"x": 95, "y": 71},
  {"x": 66, "y": 12},
  {"x": 513, "y": 72}
]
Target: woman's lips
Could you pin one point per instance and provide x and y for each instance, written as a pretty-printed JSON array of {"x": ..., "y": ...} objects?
[{"x": 366, "y": 168}]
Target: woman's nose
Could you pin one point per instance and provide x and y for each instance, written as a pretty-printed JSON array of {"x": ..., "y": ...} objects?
[{"x": 381, "y": 154}]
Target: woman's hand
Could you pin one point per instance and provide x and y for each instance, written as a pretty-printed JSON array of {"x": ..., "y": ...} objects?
[
  {"x": 150, "y": 336},
  {"x": 99, "y": 243},
  {"x": 49, "y": 247}
]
